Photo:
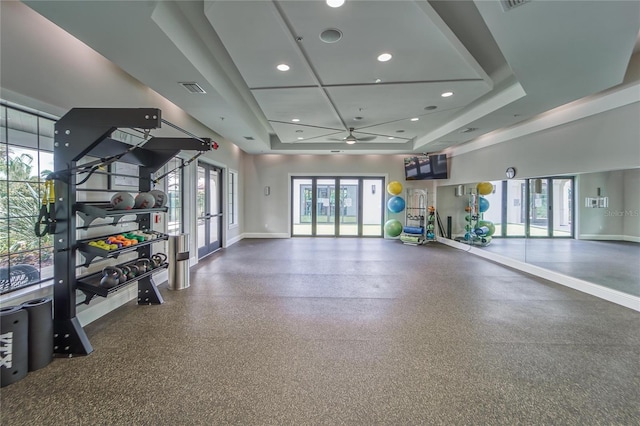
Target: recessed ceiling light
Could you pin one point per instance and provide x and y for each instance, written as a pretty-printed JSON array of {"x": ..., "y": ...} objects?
[
  {"x": 391, "y": 137},
  {"x": 415, "y": 119},
  {"x": 377, "y": 80},
  {"x": 446, "y": 94},
  {"x": 335, "y": 3},
  {"x": 295, "y": 120},
  {"x": 384, "y": 57},
  {"x": 283, "y": 67},
  {"x": 300, "y": 139},
  {"x": 350, "y": 141}
]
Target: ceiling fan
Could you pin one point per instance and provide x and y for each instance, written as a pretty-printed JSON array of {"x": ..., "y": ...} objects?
[{"x": 350, "y": 139}]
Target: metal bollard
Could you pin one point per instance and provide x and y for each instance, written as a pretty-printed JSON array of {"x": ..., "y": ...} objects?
[{"x": 178, "y": 261}]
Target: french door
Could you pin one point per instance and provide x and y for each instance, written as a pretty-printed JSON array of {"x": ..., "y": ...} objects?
[
  {"x": 540, "y": 207},
  {"x": 209, "y": 209},
  {"x": 337, "y": 206}
]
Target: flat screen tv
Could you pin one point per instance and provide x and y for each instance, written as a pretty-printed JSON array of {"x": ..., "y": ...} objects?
[{"x": 426, "y": 167}]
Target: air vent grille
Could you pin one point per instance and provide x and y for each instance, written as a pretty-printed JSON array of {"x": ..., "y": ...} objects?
[
  {"x": 510, "y": 4},
  {"x": 469, "y": 130},
  {"x": 249, "y": 138},
  {"x": 192, "y": 87}
]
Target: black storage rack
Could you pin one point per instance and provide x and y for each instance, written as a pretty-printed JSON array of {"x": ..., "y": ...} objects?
[{"x": 86, "y": 132}]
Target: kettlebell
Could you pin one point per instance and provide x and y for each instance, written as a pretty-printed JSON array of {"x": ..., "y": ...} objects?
[
  {"x": 122, "y": 277},
  {"x": 134, "y": 271},
  {"x": 158, "y": 259},
  {"x": 111, "y": 277},
  {"x": 144, "y": 264},
  {"x": 126, "y": 271}
]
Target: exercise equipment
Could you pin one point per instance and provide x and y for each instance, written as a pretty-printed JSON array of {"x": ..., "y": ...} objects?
[
  {"x": 40, "y": 330},
  {"x": 144, "y": 200},
  {"x": 489, "y": 225},
  {"x": 484, "y": 188},
  {"x": 160, "y": 198},
  {"x": 483, "y": 204},
  {"x": 111, "y": 277},
  {"x": 158, "y": 259},
  {"x": 14, "y": 355},
  {"x": 393, "y": 227},
  {"x": 122, "y": 201},
  {"x": 417, "y": 230},
  {"x": 394, "y": 188},
  {"x": 396, "y": 204}
]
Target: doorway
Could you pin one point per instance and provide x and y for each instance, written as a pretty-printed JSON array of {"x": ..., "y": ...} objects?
[
  {"x": 209, "y": 209},
  {"x": 337, "y": 206}
]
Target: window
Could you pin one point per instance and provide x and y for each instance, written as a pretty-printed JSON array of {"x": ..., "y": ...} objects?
[
  {"x": 174, "y": 194},
  {"x": 26, "y": 158},
  {"x": 233, "y": 199}
]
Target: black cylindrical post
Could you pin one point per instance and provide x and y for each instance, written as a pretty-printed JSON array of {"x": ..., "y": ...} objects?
[
  {"x": 449, "y": 227},
  {"x": 40, "y": 332},
  {"x": 14, "y": 344}
]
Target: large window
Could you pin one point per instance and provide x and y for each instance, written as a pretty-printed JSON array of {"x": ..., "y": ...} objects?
[
  {"x": 26, "y": 158},
  {"x": 174, "y": 194}
]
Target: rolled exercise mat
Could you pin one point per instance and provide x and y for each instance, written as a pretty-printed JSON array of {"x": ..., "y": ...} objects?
[
  {"x": 410, "y": 239},
  {"x": 413, "y": 230},
  {"x": 14, "y": 344},
  {"x": 40, "y": 332}
]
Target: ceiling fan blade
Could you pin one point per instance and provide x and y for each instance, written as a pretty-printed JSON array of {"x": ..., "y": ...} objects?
[{"x": 366, "y": 138}]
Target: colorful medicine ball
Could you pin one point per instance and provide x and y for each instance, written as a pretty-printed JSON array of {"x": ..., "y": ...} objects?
[{"x": 122, "y": 201}]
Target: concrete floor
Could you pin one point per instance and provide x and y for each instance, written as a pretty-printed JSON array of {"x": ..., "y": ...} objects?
[{"x": 347, "y": 331}]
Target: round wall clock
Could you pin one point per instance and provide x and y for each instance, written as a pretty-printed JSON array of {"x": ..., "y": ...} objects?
[{"x": 511, "y": 172}]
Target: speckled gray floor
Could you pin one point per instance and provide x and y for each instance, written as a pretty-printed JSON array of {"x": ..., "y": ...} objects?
[{"x": 347, "y": 331}]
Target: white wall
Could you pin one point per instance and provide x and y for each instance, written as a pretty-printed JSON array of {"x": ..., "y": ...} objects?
[
  {"x": 602, "y": 142},
  {"x": 600, "y": 223},
  {"x": 269, "y": 215}
]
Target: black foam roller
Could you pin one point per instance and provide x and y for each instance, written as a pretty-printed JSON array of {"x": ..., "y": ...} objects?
[
  {"x": 40, "y": 332},
  {"x": 14, "y": 344}
]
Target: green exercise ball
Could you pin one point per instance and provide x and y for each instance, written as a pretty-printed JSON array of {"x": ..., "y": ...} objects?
[{"x": 393, "y": 227}]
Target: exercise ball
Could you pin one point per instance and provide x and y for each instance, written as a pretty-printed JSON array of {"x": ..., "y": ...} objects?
[
  {"x": 394, "y": 187},
  {"x": 483, "y": 204},
  {"x": 484, "y": 188},
  {"x": 393, "y": 228},
  {"x": 488, "y": 224},
  {"x": 122, "y": 201},
  {"x": 160, "y": 197},
  {"x": 395, "y": 204},
  {"x": 144, "y": 200}
]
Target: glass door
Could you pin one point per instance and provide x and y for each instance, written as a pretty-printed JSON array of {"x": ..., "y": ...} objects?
[
  {"x": 326, "y": 207},
  {"x": 209, "y": 209},
  {"x": 337, "y": 206}
]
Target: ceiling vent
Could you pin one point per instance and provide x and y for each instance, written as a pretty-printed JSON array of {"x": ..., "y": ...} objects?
[
  {"x": 249, "y": 138},
  {"x": 510, "y": 4},
  {"x": 469, "y": 130},
  {"x": 192, "y": 87}
]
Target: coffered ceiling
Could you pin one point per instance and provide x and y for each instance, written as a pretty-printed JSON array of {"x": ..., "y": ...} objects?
[{"x": 502, "y": 64}]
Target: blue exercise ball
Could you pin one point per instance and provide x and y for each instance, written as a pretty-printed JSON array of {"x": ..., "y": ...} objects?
[
  {"x": 483, "y": 204},
  {"x": 395, "y": 204}
]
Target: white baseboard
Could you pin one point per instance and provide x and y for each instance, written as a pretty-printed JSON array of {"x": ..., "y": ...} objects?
[
  {"x": 599, "y": 237},
  {"x": 234, "y": 240},
  {"x": 614, "y": 296},
  {"x": 265, "y": 235}
]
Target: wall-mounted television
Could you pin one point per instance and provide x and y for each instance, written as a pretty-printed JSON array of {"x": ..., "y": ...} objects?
[{"x": 426, "y": 167}]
